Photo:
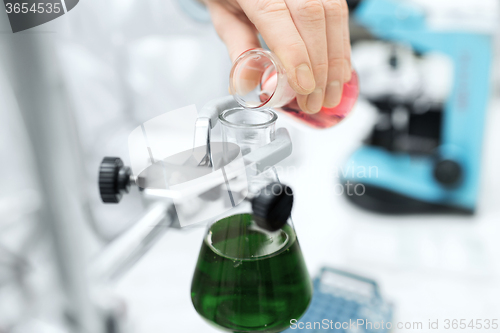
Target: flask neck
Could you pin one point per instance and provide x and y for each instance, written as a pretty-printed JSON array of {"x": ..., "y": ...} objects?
[{"x": 249, "y": 129}]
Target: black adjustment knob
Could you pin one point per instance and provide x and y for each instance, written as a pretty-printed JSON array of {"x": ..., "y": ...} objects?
[
  {"x": 352, "y": 4},
  {"x": 114, "y": 179},
  {"x": 448, "y": 173},
  {"x": 393, "y": 59},
  {"x": 272, "y": 206}
]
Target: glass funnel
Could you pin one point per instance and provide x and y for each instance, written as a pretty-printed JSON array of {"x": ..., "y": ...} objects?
[{"x": 248, "y": 279}]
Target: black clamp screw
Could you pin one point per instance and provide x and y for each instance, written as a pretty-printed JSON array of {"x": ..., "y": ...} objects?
[
  {"x": 114, "y": 179},
  {"x": 273, "y": 206}
]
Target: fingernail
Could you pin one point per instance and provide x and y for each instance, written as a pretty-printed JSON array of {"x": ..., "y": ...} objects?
[
  {"x": 315, "y": 101},
  {"x": 305, "y": 77},
  {"x": 347, "y": 70},
  {"x": 333, "y": 94}
]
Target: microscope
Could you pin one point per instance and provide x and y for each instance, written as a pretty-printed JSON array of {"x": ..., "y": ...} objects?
[{"x": 424, "y": 155}]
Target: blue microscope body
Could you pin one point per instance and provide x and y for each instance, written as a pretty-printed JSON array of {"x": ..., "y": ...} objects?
[{"x": 446, "y": 178}]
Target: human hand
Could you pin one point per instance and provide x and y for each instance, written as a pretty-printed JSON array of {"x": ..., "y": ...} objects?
[{"x": 310, "y": 37}]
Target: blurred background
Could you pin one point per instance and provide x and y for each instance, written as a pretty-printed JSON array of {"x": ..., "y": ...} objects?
[{"x": 422, "y": 144}]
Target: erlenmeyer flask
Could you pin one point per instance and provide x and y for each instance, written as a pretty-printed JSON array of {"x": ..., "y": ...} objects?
[
  {"x": 258, "y": 80},
  {"x": 248, "y": 279}
]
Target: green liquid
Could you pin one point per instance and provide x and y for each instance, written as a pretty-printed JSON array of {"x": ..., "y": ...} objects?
[{"x": 248, "y": 279}]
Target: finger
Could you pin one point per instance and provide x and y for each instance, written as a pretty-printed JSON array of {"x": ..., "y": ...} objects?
[
  {"x": 239, "y": 35},
  {"x": 347, "y": 43},
  {"x": 336, "y": 60},
  {"x": 309, "y": 18},
  {"x": 272, "y": 19},
  {"x": 236, "y": 32}
]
